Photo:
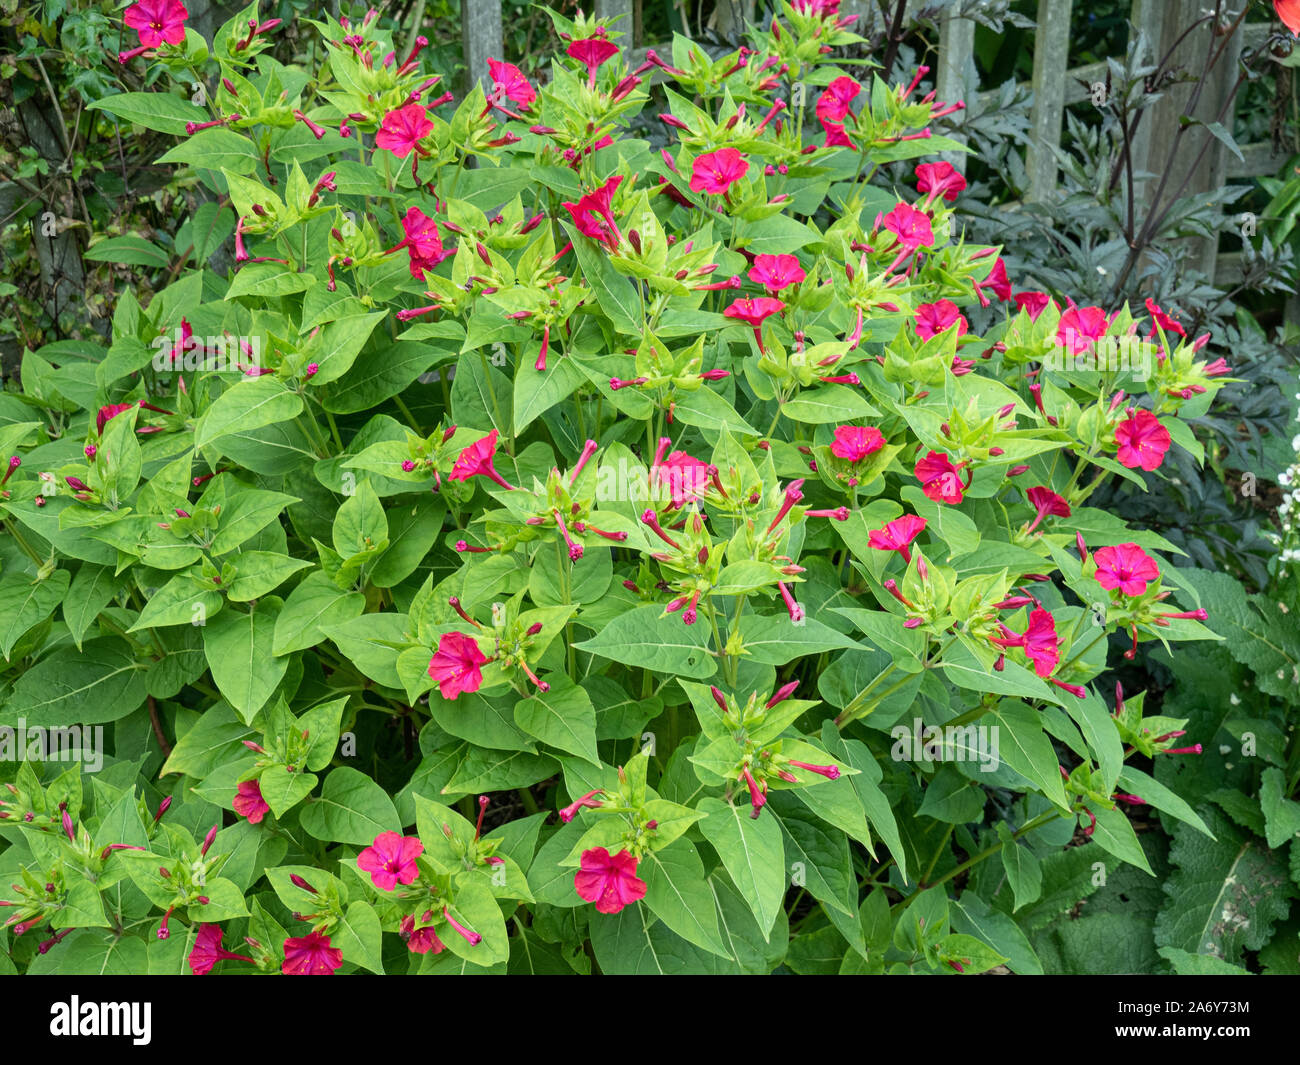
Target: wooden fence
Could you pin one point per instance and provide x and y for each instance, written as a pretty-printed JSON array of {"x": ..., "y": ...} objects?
[{"x": 1054, "y": 87}]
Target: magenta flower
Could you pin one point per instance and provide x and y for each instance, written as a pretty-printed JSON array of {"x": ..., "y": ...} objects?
[
  {"x": 940, "y": 479},
  {"x": 776, "y": 272},
  {"x": 1032, "y": 303},
  {"x": 1126, "y": 567},
  {"x": 402, "y": 130},
  {"x": 754, "y": 312},
  {"x": 1289, "y": 12},
  {"x": 207, "y": 950},
  {"x": 509, "y": 83},
  {"x": 477, "y": 459},
  {"x": 910, "y": 226},
  {"x": 608, "y": 881},
  {"x": 685, "y": 477},
  {"x": 834, "y": 104},
  {"x": 1159, "y": 318},
  {"x": 455, "y": 665},
  {"x": 390, "y": 860},
  {"x": 1142, "y": 440},
  {"x": 1041, "y": 644},
  {"x": 310, "y": 955},
  {"x": 1045, "y": 501},
  {"x": 715, "y": 172},
  {"x": 997, "y": 280},
  {"x": 939, "y": 179},
  {"x": 248, "y": 802},
  {"x": 856, "y": 442},
  {"x": 593, "y": 215},
  {"x": 898, "y": 535},
  {"x": 422, "y": 241},
  {"x": 592, "y": 52},
  {"x": 1081, "y": 327},
  {"x": 935, "y": 318},
  {"x": 157, "y": 21},
  {"x": 107, "y": 413},
  {"x": 835, "y": 135}
]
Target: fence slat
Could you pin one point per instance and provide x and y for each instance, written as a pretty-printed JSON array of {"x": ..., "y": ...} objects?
[
  {"x": 483, "y": 38},
  {"x": 1164, "y": 21},
  {"x": 614, "y": 8},
  {"x": 1051, "y": 57},
  {"x": 956, "y": 52}
]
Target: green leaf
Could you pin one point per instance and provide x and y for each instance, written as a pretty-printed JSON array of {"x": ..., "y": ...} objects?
[
  {"x": 776, "y": 640},
  {"x": 238, "y": 649},
  {"x": 24, "y": 602},
  {"x": 1225, "y": 894},
  {"x": 247, "y": 405},
  {"x": 1281, "y": 815},
  {"x": 101, "y": 682},
  {"x": 352, "y": 808},
  {"x": 1024, "y": 874},
  {"x": 563, "y": 717},
  {"x": 359, "y": 935},
  {"x": 678, "y": 894},
  {"x": 1114, "y": 833},
  {"x": 753, "y": 854},
  {"x": 153, "y": 110},
  {"x": 642, "y": 638}
]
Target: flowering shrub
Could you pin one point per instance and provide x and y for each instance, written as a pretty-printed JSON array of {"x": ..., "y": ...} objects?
[{"x": 544, "y": 551}]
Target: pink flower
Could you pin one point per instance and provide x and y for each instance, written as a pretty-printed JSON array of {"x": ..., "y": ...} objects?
[
  {"x": 1126, "y": 567},
  {"x": 423, "y": 242},
  {"x": 1164, "y": 321},
  {"x": 248, "y": 802},
  {"x": 835, "y": 135},
  {"x": 754, "y": 311},
  {"x": 509, "y": 83},
  {"x": 1041, "y": 645},
  {"x": 1039, "y": 642},
  {"x": 856, "y": 442},
  {"x": 455, "y": 665},
  {"x": 310, "y": 955},
  {"x": 716, "y": 172},
  {"x": 477, "y": 459},
  {"x": 425, "y": 940},
  {"x": 1081, "y": 327},
  {"x": 403, "y": 129},
  {"x": 898, "y": 535},
  {"x": 935, "y": 318},
  {"x": 1142, "y": 440},
  {"x": 593, "y": 214},
  {"x": 776, "y": 272},
  {"x": 107, "y": 413},
  {"x": 608, "y": 881},
  {"x": 940, "y": 479},
  {"x": 157, "y": 21},
  {"x": 997, "y": 281},
  {"x": 816, "y": 7},
  {"x": 833, "y": 105},
  {"x": 1289, "y": 12},
  {"x": 910, "y": 226},
  {"x": 939, "y": 179},
  {"x": 686, "y": 478},
  {"x": 390, "y": 860},
  {"x": 207, "y": 950},
  {"x": 1045, "y": 501},
  {"x": 1032, "y": 303},
  {"x": 592, "y": 52}
]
